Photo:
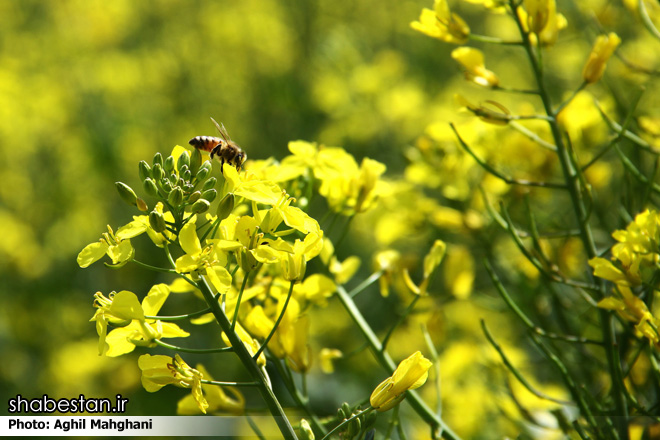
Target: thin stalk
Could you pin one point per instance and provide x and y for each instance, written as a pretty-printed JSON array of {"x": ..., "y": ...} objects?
[
  {"x": 573, "y": 181},
  {"x": 277, "y": 323},
  {"x": 250, "y": 365},
  {"x": 193, "y": 350},
  {"x": 384, "y": 359},
  {"x": 238, "y": 301},
  {"x": 366, "y": 283}
]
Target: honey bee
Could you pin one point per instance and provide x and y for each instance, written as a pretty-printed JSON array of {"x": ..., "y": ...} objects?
[{"x": 226, "y": 149}]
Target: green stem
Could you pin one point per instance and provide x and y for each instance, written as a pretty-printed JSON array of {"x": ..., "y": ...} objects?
[
  {"x": 346, "y": 422},
  {"x": 573, "y": 181},
  {"x": 238, "y": 301},
  {"x": 193, "y": 350},
  {"x": 250, "y": 365},
  {"x": 384, "y": 359},
  {"x": 366, "y": 283},
  {"x": 179, "y": 317},
  {"x": 231, "y": 384},
  {"x": 277, "y": 323}
]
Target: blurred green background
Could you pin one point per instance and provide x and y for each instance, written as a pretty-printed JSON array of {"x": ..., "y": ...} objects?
[{"x": 89, "y": 88}]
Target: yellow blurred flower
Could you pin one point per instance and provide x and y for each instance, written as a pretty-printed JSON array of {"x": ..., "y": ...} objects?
[
  {"x": 472, "y": 61},
  {"x": 633, "y": 309},
  {"x": 538, "y": 13},
  {"x": 442, "y": 24},
  {"x": 410, "y": 374},
  {"x": 603, "y": 49},
  {"x": 326, "y": 358}
]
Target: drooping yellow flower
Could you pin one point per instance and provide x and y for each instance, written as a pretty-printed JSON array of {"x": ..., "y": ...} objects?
[
  {"x": 601, "y": 52},
  {"x": 158, "y": 371},
  {"x": 472, "y": 61},
  {"x": 442, "y": 24},
  {"x": 410, "y": 374},
  {"x": 117, "y": 246},
  {"x": 216, "y": 397},
  {"x": 633, "y": 309}
]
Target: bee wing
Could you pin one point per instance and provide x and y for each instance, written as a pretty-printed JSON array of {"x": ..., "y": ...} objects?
[{"x": 223, "y": 131}]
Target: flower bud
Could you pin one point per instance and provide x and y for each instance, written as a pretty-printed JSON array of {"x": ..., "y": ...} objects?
[
  {"x": 204, "y": 171},
  {"x": 186, "y": 175},
  {"x": 126, "y": 193},
  {"x": 156, "y": 221},
  {"x": 142, "y": 205},
  {"x": 209, "y": 194},
  {"x": 194, "y": 197},
  {"x": 195, "y": 161},
  {"x": 158, "y": 159},
  {"x": 184, "y": 159},
  {"x": 346, "y": 409},
  {"x": 150, "y": 187},
  {"x": 602, "y": 51},
  {"x": 166, "y": 185},
  {"x": 225, "y": 207},
  {"x": 169, "y": 164},
  {"x": 175, "y": 197},
  {"x": 209, "y": 183},
  {"x": 144, "y": 170},
  {"x": 200, "y": 206},
  {"x": 157, "y": 172}
]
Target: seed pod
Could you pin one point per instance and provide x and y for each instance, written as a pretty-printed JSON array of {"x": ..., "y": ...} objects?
[
  {"x": 150, "y": 187},
  {"x": 156, "y": 221},
  {"x": 225, "y": 207},
  {"x": 144, "y": 170},
  {"x": 184, "y": 159},
  {"x": 209, "y": 194},
  {"x": 200, "y": 206},
  {"x": 127, "y": 194},
  {"x": 175, "y": 197},
  {"x": 158, "y": 159},
  {"x": 169, "y": 164}
]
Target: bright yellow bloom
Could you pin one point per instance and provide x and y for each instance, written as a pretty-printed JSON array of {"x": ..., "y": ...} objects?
[
  {"x": 472, "y": 61},
  {"x": 410, "y": 374},
  {"x": 388, "y": 262},
  {"x": 250, "y": 343},
  {"x": 442, "y": 24},
  {"x": 117, "y": 246},
  {"x": 124, "y": 309},
  {"x": 633, "y": 309},
  {"x": 158, "y": 371},
  {"x": 218, "y": 401},
  {"x": 601, "y": 52}
]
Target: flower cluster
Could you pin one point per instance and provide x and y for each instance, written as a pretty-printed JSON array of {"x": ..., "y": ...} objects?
[{"x": 634, "y": 262}]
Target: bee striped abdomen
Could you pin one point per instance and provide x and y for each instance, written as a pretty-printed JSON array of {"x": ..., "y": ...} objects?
[{"x": 206, "y": 143}]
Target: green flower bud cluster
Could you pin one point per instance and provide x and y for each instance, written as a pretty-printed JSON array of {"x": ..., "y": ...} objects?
[
  {"x": 357, "y": 427},
  {"x": 179, "y": 183}
]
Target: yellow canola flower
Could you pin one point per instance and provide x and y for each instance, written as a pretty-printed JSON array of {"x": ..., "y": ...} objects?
[
  {"x": 410, "y": 374},
  {"x": 554, "y": 22},
  {"x": 538, "y": 13},
  {"x": 123, "y": 308},
  {"x": 250, "y": 343},
  {"x": 633, "y": 309},
  {"x": 158, "y": 371},
  {"x": 603, "y": 49},
  {"x": 116, "y": 246},
  {"x": 217, "y": 399},
  {"x": 442, "y": 24},
  {"x": 472, "y": 61},
  {"x": 210, "y": 260}
]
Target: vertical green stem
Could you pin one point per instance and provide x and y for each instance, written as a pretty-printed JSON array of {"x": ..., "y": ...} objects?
[
  {"x": 573, "y": 182},
  {"x": 250, "y": 365}
]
